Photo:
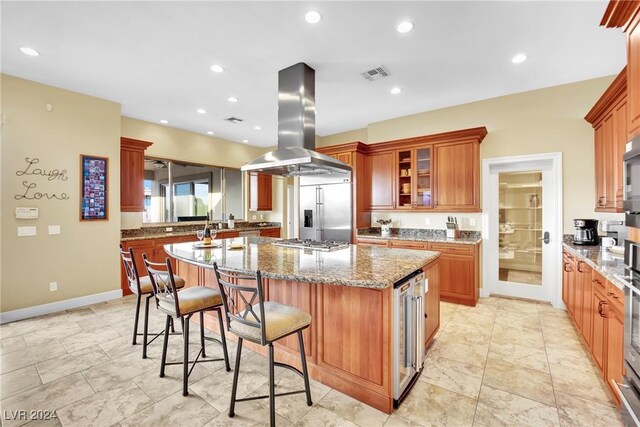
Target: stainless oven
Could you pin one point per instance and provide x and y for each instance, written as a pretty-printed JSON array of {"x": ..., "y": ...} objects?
[
  {"x": 408, "y": 333},
  {"x": 631, "y": 181},
  {"x": 629, "y": 389}
]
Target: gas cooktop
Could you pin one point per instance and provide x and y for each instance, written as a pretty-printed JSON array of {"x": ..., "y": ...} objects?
[{"x": 315, "y": 245}]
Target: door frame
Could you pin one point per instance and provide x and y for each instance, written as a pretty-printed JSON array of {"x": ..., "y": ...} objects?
[{"x": 490, "y": 222}]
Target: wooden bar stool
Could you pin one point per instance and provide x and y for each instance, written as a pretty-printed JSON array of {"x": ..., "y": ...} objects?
[
  {"x": 262, "y": 323},
  {"x": 182, "y": 305},
  {"x": 141, "y": 286}
]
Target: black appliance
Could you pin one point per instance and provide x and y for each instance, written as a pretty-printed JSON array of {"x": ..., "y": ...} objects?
[
  {"x": 631, "y": 181},
  {"x": 586, "y": 232},
  {"x": 629, "y": 390}
]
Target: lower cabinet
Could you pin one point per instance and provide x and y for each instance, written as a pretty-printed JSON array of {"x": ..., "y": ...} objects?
[
  {"x": 270, "y": 232},
  {"x": 432, "y": 303},
  {"x": 459, "y": 266},
  {"x": 596, "y": 307}
]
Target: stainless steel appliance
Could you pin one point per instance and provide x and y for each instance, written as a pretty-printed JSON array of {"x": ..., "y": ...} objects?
[
  {"x": 314, "y": 245},
  {"x": 295, "y": 155},
  {"x": 631, "y": 181},
  {"x": 629, "y": 390},
  {"x": 586, "y": 232},
  {"x": 325, "y": 207},
  {"x": 614, "y": 229},
  {"x": 408, "y": 333}
]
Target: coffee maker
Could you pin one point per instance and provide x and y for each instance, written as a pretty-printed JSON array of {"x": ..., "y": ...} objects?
[{"x": 586, "y": 232}]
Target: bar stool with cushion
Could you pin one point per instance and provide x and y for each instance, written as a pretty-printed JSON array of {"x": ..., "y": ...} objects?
[
  {"x": 250, "y": 317},
  {"x": 141, "y": 286},
  {"x": 183, "y": 305}
]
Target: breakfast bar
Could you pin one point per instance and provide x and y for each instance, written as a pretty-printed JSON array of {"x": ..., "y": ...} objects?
[{"x": 349, "y": 294}]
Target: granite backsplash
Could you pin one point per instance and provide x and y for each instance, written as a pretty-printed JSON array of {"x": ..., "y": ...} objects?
[
  {"x": 161, "y": 229},
  {"x": 418, "y": 233}
]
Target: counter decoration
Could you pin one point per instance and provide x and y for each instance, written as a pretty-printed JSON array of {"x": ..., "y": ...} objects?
[{"x": 385, "y": 226}]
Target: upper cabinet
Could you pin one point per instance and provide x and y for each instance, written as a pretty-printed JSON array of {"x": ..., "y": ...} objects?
[
  {"x": 609, "y": 119},
  {"x": 260, "y": 192},
  {"x": 132, "y": 174},
  {"x": 435, "y": 172},
  {"x": 625, "y": 14}
]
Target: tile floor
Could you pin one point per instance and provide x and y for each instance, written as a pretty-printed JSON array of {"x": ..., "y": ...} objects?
[{"x": 504, "y": 362}]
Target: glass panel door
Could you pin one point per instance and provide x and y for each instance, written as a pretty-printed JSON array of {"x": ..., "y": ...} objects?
[
  {"x": 405, "y": 187},
  {"x": 520, "y": 227},
  {"x": 423, "y": 177}
]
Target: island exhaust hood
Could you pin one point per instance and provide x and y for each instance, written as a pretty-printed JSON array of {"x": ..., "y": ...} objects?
[{"x": 295, "y": 155}]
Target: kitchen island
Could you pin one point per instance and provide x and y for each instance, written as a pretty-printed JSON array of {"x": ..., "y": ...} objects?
[{"x": 349, "y": 294}]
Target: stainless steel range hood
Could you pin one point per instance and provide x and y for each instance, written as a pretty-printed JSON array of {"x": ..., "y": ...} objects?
[{"x": 295, "y": 155}]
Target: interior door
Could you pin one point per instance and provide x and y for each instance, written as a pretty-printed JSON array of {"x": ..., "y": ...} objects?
[{"x": 523, "y": 244}]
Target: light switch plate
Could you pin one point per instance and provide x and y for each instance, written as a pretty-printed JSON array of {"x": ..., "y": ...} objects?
[
  {"x": 472, "y": 222},
  {"x": 26, "y": 213},
  {"x": 427, "y": 221},
  {"x": 26, "y": 231},
  {"x": 54, "y": 229}
]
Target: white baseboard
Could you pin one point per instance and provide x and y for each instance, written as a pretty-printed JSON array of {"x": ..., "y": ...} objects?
[{"x": 54, "y": 307}]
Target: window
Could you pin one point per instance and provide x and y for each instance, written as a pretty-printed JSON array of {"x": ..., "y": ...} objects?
[{"x": 176, "y": 191}]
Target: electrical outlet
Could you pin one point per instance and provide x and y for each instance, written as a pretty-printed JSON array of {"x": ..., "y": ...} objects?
[
  {"x": 427, "y": 221},
  {"x": 168, "y": 229},
  {"x": 261, "y": 217},
  {"x": 374, "y": 219},
  {"x": 53, "y": 286},
  {"x": 472, "y": 222},
  {"x": 54, "y": 229},
  {"x": 26, "y": 231},
  {"x": 253, "y": 217}
]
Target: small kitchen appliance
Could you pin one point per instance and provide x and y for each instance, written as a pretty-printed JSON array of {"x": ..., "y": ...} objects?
[{"x": 586, "y": 232}]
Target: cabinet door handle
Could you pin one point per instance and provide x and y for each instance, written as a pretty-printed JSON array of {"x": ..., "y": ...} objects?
[
  {"x": 600, "y": 201},
  {"x": 435, "y": 204},
  {"x": 579, "y": 267},
  {"x": 566, "y": 265}
]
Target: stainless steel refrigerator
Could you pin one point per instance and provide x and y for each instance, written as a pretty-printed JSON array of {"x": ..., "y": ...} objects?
[{"x": 325, "y": 207}]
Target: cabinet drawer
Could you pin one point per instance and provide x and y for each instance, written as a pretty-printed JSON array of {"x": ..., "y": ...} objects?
[
  {"x": 227, "y": 234},
  {"x": 407, "y": 244},
  {"x": 374, "y": 242},
  {"x": 452, "y": 248},
  {"x": 615, "y": 296},
  {"x": 599, "y": 282}
]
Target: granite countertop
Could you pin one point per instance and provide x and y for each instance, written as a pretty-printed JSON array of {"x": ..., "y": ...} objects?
[
  {"x": 421, "y": 235},
  {"x": 358, "y": 265},
  {"x": 154, "y": 233},
  {"x": 608, "y": 264}
]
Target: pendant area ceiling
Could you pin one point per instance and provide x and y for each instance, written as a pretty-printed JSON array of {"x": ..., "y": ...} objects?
[{"x": 154, "y": 58}]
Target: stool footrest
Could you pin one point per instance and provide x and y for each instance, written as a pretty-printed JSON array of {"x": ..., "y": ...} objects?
[
  {"x": 289, "y": 367},
  {"x": 266, "y": 396}
]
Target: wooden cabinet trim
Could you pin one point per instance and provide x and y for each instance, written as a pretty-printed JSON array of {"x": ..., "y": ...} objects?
[
  {"x": 464, "y": 135},
  {"x": 612, "y": 96},
  {"x": 619, "y": 13}
]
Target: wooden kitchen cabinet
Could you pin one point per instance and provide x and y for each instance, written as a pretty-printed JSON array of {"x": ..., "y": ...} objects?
[
  {"x": 568, "y": 280},
  {"x": 598, "y": 341},
  {"x": 270, "y": 232},
  {"x": 459, "y": 272},
  {"x": 432, "y": 303},
  {"x": 457, "y": 177},
  {"x": 260, "y": 192},
  {"x": 132, "y": 174},
  {"x": 585, "y": 276},
  {"x": 609, "y": 119},
  {"x": 414, "y": 179},
  {"x": 408, "y": 244},
  {"x": 615, "y": 345},
  {"x": 633, "y": 74},
  {"x": 380, "y": 169}
]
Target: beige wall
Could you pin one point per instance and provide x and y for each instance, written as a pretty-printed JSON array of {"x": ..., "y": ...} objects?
[
  {"x": 83, "y": 259},
  {"x": 540, "y": 121}
]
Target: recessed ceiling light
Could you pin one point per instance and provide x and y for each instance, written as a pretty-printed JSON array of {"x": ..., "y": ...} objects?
[
  {"x": 232, "y": 99},
  {"x": 164, "y": 122},
  {"x": 257, "y": 128},
  {"x": 519, "y": 58},
  {"x": 217, "y": 69},
  {"x": 395, "y": 90},
  {"x": 209, "y": 132},
  {"x": 29, "y": 51},
  {"x": 312, "y": 17},
  {"x": 405, "y": 27},
  {"x": 245, "y": 140},
  {"x": 201, "y": 111}
]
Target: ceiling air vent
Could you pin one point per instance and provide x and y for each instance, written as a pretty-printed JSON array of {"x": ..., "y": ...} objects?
[
  {"x": 233, "y": 120},
  {"x": 376, "y": 74}
]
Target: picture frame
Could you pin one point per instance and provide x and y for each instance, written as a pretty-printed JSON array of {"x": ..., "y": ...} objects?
[{"x": 94, "y": 188}]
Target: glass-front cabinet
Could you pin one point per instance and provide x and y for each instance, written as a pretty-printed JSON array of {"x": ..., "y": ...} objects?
[{"x": 413, "y": 178}]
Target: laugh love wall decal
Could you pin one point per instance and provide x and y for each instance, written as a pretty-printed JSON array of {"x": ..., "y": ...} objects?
[{"x": 30, "y": 188}]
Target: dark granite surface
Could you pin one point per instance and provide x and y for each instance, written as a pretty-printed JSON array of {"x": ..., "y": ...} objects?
[
  {"x": 357, "y": 265},
  {"x": 422, "y": 235},
  {"x": 606, "y": 263},
  {"x": 156, "y": 231}
]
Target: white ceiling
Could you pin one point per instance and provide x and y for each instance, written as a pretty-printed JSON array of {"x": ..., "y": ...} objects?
[{"x": 154, "y": 57}]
